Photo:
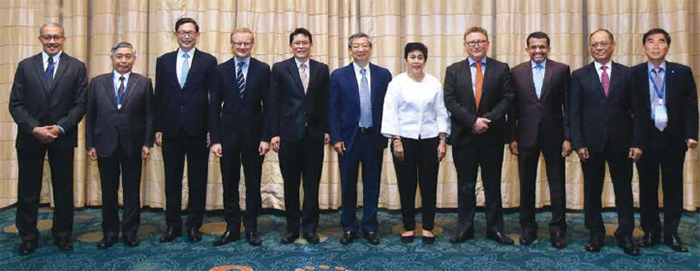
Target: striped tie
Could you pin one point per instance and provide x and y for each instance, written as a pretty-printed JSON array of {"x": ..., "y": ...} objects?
[{"x": 240, "y": 80}]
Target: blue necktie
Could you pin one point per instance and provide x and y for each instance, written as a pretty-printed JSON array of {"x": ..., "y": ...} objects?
[
  {"x": 365, "y": 101},
  {"x": 49, "y": 70},
  {"x": 185, "y": 70},
  {"x": 539, "y": 78},
  {"x": 240, "y": 80}
]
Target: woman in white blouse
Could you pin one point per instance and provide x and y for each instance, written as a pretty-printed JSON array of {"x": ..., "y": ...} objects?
[{"x": 416, "y": 120}]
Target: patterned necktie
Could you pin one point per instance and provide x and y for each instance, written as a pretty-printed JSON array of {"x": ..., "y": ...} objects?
[
  {"x": 120, "y": 93},
  {"x": 185, "y": 70},
  {"x": 661, "y": 125},
  {"x": 48, "y": 75},
  {"x": 304, "y": 78},
  {"x": 605, "y": 80},
  {"x": 479, "y": 82},
  {"x": 539, "y": 78},
  {"x": 240, "y": 80},
  {"x": 365, "y": 101}
]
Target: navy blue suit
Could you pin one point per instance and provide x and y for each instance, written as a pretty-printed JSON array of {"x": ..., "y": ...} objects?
[{"x": 366, "y": 147}]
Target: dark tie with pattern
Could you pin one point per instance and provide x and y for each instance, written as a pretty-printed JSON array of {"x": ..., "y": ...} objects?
[
  {"x": 240, "y": 80},
  {"x": 120, "y": 93},
  {"x": 48, "y": 75}
]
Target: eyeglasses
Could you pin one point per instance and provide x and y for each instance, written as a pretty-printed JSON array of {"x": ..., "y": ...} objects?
[
  {"x": 186, "y": 33},
  {"x": 51, "y": 37},
  {"x": 242, "y": 44},
  {"x": 301, "y": 43},
  {"x": 475, "y": 43},
  {"x": 600, "y": 44}
]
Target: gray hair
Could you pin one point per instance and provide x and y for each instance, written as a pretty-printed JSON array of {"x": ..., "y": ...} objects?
[
  {"x": 41, "y": 28},
  {"x": 122, "y": 44},
  {"x": 357, "y": 36}
]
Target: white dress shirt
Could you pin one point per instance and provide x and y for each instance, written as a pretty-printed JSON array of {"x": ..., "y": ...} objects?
[
  {"x": 56, "y": 59},
  {"x": 415, "y": 110},
  {"x": 181, "y": 60},
  {"x": 600, "y": 71}
]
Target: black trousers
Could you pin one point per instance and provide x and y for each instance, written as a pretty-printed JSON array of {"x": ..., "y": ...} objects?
[
  {"x": 299, "y": 160},
  {"x": 243, "y": 152},
  {"x": 129, "y": 167},
  {"x": 671, "y": 160},
  {"x": 528, "y": 158},
  {"x": 468, "y": 158},
  {"x": 420, "y": 166},
  {"x": 174, "y": 151},
  {"x": 621, "y": 174},
  {"x": 31, "y": 163}
]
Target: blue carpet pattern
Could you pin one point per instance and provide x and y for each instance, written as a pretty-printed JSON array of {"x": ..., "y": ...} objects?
[{"x": 390, "y": 255}]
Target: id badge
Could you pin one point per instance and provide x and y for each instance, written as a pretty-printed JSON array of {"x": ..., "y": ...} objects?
[{"x": 660, "y": 113}]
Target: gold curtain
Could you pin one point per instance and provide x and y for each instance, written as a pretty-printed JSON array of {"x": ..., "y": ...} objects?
[{"x": 93, "y": 26}]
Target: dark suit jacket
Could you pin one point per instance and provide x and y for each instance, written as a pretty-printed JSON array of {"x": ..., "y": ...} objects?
[
  {"x": 344, "y": 104},
  {"x": 183, "y": 108},
  {"x": 230, "y": 116},
  {"x": 132, "y": 126},
  {"x": 63, "y": 103},
  {"x": 549, "y": 113},
  {"x": 496, "y": 97},
  {"x": 681, "y": 100},
  {"x": 293, "y": 112},
  {"x": 596, "y": 120}
]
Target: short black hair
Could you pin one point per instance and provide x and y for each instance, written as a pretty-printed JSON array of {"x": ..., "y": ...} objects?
[
  {"x": 302, "y": 31},
  {"x": 656, "y": 31},
  {"x": 537, "y": 35},
  {"x": 186, "y": 20},
  {"x": 415, "y": 46}
]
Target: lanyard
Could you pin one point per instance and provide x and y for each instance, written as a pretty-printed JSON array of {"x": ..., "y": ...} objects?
[{"x": 659, "y": 93}]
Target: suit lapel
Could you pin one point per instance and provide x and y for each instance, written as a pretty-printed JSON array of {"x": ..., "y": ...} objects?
[
  {"x": 374, "y": 73},
  {"x": 196, "y": 62},
  {"x": 313, "y": 71},
  {"x": 612, "y": 89},
  {"x": 548, "y": 69},
  {"x": 109, "y": 88},
  {"x": 349, "y": 73},
  {"x": 670, "y": 80},
  {"x": 130, "y": 86},
  {"x": 469, "y": 90},
  {"x": 487, "y": 79},
  {"x": 171, "y": 61},
  {"x": 593, "y": 76},
  {"x": 62, "y": 66},
  {"x": 531, "y": 82},
  {"x": 249, "y": 81},
  {"x": 39, "y": 68},
  {"x": 294, "y": 72}
]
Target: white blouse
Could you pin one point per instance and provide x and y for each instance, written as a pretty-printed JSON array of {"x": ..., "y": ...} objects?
[{"x": 415, "y": 110}]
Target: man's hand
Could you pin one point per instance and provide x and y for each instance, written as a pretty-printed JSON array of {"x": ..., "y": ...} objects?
[
  {"x": 635, "y": 154},
  {"x": 481, "y": 125},
  {"x": 692, "y": 143},
  {"x": 513, "y": 147},
  {"x": 583, "y": 154},
  {"x": 275, "y": 143},
  {"x": 92, "y": 153},
  {"x": 339, "y": 147},
  {"x": 145, "y": 152},
  {"x": 43, "y": 134},
  {"x": 326, "y": 138},
  {"x": 398, "y": 149},
  {"x": 54, "y": 130},
  {"x": 565, "y": 148},
  {"x": 263, "y": 148},
  {"x": 208, "y": 140},
  {"x": 159, "y": 139},
  {"x": 216, "y": 150},
  {"x": 442, "y": 149}
]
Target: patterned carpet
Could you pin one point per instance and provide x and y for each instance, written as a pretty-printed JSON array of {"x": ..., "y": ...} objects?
[{"x": 390, "y": 255}]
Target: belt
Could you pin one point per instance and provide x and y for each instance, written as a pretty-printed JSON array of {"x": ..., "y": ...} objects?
[{"x": 363, "y": 130}]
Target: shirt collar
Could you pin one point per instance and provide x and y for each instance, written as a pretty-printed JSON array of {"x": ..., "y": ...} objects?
[
  {"x": 56, "y": 57},
  {"x": 358, "y": 68},
  {"x": 543, "y": 64},
  {"x": 245, "y": 60},
  {"x": 180, "y": 52},
  {"x": 650, "y": 67},
  {"x": 296, "y": 60},
  {"x": 598, "y": 65},
  {"x": 472, "y": 61},
  {"x": 116, "y": 75}
]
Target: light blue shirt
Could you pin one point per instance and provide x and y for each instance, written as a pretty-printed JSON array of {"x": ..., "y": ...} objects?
[
  {"x": 245, "y": 66},
  {"x": 115, "y": 80},
  {"x": 652, "y": 91},
  {"x": 472, "y": 67},
  {"x": 538, "y": 76}
]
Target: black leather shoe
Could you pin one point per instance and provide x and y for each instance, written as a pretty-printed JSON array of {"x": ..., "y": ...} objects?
[
  {"x": 107, "y": 242},
  {"x": 132, "y": 241},
  {"x": 527, "y": 238},
  {"x": 650, "y": 239},
  {"x": 228, "y": 237},
  {"x": 674, "y": 242},
  {"x": 348, "y": 237},
  {"x": 289, "y": 237},
  {"x": 627, "y": 245},
  {"x": 558, "y": 240},
  {"x": 499, "y": 237},
  {"x": 407, "y": 239},
  {"x": 428, "y": 240},
  {"x": 194, "y": 235},
  {"x": 371, "y": 236},
  {"x": 311, "y": 238},
  {"x": 594, "y": 244},
  {"x": 253, "y": 238},
  {"x": 63, "y": 243},
  {"x": 462, "y": 236},
  {"x": 170, "y": 235},
  {"x": 27, "y": 248}
]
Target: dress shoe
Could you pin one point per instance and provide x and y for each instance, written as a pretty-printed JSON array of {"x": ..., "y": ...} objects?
[
  {"x": 348, "y": 237},
  {"x": 194, "y": 235},
  {"x": 527, "y": 238},
  {"x": 107, "y": 242},
  {"x": 371, "y": 236},
  {"x": 132, "y": 241},
  {"x": 462, "y": 236},
  {"x": 289, "y": 237},
  {"x": 311, "y": 238},
  {"x": 625, "y": 242},
  {"x": 674, "y": 242},
  {"x": 63, "y": 242},
  {"x": 407, "y": 239},
  {"x": 428, "y": 240},
  {"x": 170, "y": 235},
  {"x": 228, "y": 237},
  {"x": 594, "y": 244},
  {"x": 253, "y": 238},
  {"x": 650, "y": 239},
  {"x": 499, "y": 237},
  {"x": 558, "y": 240},
  {"x": 27, "y": 247}
]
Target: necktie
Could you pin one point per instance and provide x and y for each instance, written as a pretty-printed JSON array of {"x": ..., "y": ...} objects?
[
  {"x": 185, "y": 70},
  {"x": 48, "y": 75},
  {"x": 240, "y": 80},
  {"x": 365, "y": 101},
  {"x": 479, "y": 82},
  {"x": 304, "y": 77},
  {"x": 120, "y": 93},
  {"x": 661, "y": 125},
  {"x": 605, "y": 80},
  {"x": 539, "y": 78}
]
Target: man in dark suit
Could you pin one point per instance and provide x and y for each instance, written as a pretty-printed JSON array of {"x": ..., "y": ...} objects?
[
  {"x": 538, "y": 123},
  {"x": 181, "y": 103},
  {"x": 478, "y": 94},
  {"x": 605, "y": 126},
  {"x": 299, "y": 131},
  {"x": 356, "y": 100},
  {"x": 670, "y": 94},
  {"x": 119, "y": 135},
  {"x": 47, "y": 101},
  {"x": 239, "y": 134}
]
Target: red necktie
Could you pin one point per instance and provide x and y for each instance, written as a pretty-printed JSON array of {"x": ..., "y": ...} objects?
[{"x": 605, "y": 80}]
